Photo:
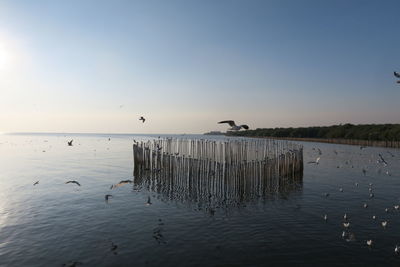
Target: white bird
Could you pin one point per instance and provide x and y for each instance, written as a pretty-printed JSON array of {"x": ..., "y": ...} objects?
[
  {"x": 365, "y": 205},
  {"x": 316, "y": 161},
  {"x": 371, "y": 195},
  {"x": 397, "y": 249},
  {"x": 373, "y": 217},
  {"x": 325, "y": 217},
  {"x": 235, "y": 127},
  {"x": 386, "y": 210},
  {"x": 70, "y": 142},
  {"x": 384, "y": 224},
  {"x": 346, "y": 224},
  {"x": 345, "y": 216},
  {"x": 341, "y": 189},
  {"x": 396, "y": 207},
  {"x": 369, "y": 242}
]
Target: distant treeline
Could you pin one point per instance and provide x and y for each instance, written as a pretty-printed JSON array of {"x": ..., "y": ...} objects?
[{"x": 372, "y": 132}]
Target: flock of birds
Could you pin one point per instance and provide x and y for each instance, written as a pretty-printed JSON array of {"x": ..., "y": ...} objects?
[
  {"x": 231, "y": 123},
  {"x": 346, "y": 234}
]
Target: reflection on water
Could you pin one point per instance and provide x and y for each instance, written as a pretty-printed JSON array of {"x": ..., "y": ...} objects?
[
  {"x": 218, "y": 174},
  {"x": 220, "y": 189}
]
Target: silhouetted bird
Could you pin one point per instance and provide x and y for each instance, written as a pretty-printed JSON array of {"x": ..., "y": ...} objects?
[
  {"x": 106, "y": 197},
  {"x": 73, "y": 182},
  {"x": 235, "y": 127},
  {"x": 396, "y": 74},
  {"x": 70, "y": 142},
  {"x": 142, "y": 119},
  {"x": 37, "y": 182}
]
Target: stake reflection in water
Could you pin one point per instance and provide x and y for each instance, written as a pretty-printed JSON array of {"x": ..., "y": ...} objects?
[{"x": 218, "y": 173}]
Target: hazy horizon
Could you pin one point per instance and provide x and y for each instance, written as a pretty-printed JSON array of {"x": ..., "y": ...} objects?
[{"x": 97, "y": 66}]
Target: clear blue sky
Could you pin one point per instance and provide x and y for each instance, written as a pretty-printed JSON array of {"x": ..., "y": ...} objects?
[{"x": 67, "y": 66}]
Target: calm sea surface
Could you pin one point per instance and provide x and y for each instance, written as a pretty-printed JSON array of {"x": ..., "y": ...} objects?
[{"x": 53, "y": 223}]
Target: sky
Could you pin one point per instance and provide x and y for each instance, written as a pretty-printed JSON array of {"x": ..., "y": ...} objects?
[{"x": 97, "y": 66}]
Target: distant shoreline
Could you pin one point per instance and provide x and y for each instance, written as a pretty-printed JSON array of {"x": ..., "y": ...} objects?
[{"x": 353, "y": 142}]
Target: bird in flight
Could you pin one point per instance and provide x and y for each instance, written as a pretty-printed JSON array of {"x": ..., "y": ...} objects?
[
  {"x": 70, "y": 142},
  {"x": 73, "y": 182},
  {"x": 315, "y": 162},
  {"x": 37, "y": 182},
  {"x": 142, "y": 119},
  {"x": 235, "y": 127},
  {"x": 397, "y": 75},
  {"x": 124, "y": 182}
]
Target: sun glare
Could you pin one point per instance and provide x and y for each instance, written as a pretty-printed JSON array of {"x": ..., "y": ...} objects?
[{"x": 4, "y": 57}]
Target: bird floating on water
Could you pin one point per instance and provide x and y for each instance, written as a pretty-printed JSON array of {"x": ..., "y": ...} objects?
[
  {"x": 345, "y": 216},
  {"x": 106, "y": 197},
  {"x": 142, "y": 119},
  {"x": 37, "y": 182},
  {"x": 70, "y": 142},
  {"x": 325, "y": 217},
  {"x": 235, "y": 127},
  {"x": 73, "y": 182},
  {"x": 148, "y": 203},
  {"x": 373, "y": 217},
  {"x": 365, "y": 205}
]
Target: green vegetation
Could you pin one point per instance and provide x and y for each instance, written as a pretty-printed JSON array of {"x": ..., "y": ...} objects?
[{"x": 376, "y": 132}]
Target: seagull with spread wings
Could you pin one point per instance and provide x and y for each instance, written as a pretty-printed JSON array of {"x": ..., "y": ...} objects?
[
  {"x": 235, "y": 127},
  {"x": 397, "y": 75}
]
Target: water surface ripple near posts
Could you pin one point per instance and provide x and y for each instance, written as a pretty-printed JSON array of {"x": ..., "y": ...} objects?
[{"x": 220, "y": 173}]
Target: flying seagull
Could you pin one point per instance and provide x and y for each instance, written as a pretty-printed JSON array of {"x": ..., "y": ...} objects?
[
  {"x": 124, "y": 182},
  {"x": 142, "y": 119},
  {"x": 73, "y": 182},
  {"x": 37, "y": 182},
  {"x": 235, "y": 127},
  {"x": 316, "y": 161},
  {"x": 70, "y": 142},
  {"x": 396, "y": 74}
]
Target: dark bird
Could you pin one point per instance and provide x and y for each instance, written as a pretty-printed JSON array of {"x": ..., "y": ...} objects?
[
  {"x": 124, "y": 182},
  {"x": 73, "y": 182},
  {"x": 396, "y": 74},
  {"x": 235, "y": 127},
  {"x": 37, "y": 182},
  {"x": 72, "y": 264},
  {"x": 383, "y": 160},
  {"x": 106, "y": 197},
  {"x": 142, "y": 119},
  {"x": 70, "y": 142}
]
